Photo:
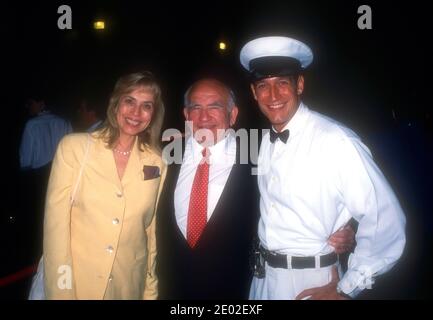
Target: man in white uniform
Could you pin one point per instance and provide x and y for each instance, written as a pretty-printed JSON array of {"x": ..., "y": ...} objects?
[{"x": 314, "y": 176}]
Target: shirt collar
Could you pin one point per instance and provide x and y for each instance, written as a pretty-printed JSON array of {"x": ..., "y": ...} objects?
[
  {"x": 297, "y": 123},
  {"x": 218, "y": 151}
]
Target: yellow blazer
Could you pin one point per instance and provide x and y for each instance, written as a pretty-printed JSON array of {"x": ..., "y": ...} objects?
[{"x": 106, "y": 240}]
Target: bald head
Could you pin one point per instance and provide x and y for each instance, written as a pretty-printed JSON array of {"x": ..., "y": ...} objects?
[
  {"x": 215, "y": 85},
  {"x": 209, "y": 104}
]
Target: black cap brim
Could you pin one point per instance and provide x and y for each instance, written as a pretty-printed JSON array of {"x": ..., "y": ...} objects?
[{"x": 273, "y": 66}]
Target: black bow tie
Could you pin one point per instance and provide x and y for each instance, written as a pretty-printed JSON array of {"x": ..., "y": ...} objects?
[{"x": 283, "y": 135}]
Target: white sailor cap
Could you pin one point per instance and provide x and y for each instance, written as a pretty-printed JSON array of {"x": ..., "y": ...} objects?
[{"x": 275, "y": 56}]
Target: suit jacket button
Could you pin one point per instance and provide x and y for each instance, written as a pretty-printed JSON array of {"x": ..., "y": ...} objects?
[
  {"x": 115, "y": 221},
  {"x": 119, "y": 194},
  {"x": 110, "y": 249}
]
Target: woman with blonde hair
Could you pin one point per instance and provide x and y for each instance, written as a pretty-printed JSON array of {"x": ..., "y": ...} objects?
[{"x": 99, "y": 228}]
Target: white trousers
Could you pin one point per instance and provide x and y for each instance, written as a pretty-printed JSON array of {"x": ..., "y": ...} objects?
[{"x": 286, "y": 284}]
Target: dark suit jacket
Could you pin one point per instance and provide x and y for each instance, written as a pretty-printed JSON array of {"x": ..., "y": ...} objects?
[{"x": 218, "y": 267}]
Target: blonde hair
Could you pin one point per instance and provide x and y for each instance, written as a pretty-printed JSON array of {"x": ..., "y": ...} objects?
[{"x": 148, "y": 138}]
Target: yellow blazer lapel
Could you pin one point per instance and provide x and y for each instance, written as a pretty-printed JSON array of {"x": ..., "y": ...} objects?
[
  {"x": 105, "y": 161},
  {"x": 133, "y": 166}
]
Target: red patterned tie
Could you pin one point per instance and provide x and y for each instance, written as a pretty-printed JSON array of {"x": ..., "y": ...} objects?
[{"x": 197, "y": 212}]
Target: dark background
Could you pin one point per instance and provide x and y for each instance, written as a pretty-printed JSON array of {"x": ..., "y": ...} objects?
[{"x": 375, "y": 81}]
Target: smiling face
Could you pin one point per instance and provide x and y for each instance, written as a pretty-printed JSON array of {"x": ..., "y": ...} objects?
[
  {"x": 209, "y": 109},
  {"x": 278, "y": 98},
  {"x": 135, "y": 111}
]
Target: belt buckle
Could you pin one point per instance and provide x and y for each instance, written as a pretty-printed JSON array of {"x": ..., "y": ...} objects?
[
  {"x": 289, "y": 261},
  {"x": 317, "y": 264}
]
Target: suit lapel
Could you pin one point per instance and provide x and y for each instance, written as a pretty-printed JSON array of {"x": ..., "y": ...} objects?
[
  {"x": 219, "y": 208},
  {"x": 226, "y": 191}
]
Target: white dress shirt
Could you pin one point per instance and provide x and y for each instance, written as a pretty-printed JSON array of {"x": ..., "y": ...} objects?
[
  {"x": 40, "y": 139},
  {"x": 314, "y": 184},
  {"x": 222, "y": 158}
]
